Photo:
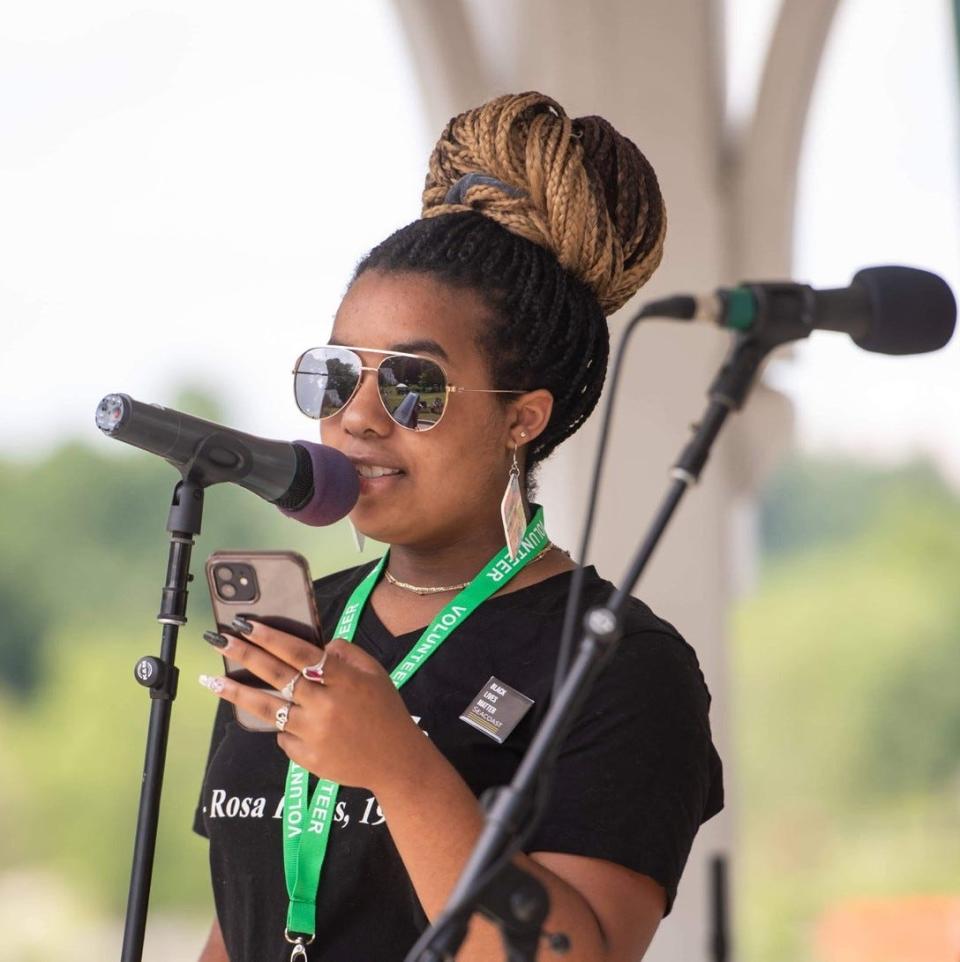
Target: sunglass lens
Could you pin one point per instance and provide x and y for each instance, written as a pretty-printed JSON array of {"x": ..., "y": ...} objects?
[
  {"x": 413, "y": 390},
  {"x": 325, "y": 380}
]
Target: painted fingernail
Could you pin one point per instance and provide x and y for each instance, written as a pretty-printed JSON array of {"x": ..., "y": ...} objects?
[
  {"x": 241, "y": 625},
  {"x": 212, "y": 682},
  {"x": 216, "y": 639}
]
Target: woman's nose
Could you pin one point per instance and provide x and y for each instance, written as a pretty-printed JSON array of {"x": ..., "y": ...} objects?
[{"x": 365, "y": 412}]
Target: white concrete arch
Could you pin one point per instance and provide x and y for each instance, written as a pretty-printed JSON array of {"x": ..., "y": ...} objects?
[{"x": 765, "y": 163}]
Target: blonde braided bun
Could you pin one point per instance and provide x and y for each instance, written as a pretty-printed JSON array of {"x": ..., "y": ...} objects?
[{"x": 575, "y": 187}]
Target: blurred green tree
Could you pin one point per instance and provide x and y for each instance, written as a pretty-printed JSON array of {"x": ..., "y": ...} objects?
[
  {"x": 812, "y": 501},
  {"x": 847, "y": 720}
]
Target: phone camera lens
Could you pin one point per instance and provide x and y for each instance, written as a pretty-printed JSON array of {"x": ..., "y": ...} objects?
[
  {"x": 228, "y": 590},
  {"x": 224, "y": 573}
]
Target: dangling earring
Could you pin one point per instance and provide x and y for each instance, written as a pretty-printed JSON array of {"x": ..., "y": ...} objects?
[
  {"x": 511, "y": 509},
  {"x": 359, "y": 538}
]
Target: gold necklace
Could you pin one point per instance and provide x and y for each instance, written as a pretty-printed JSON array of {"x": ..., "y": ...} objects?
[{"x": 419, "y": 590}]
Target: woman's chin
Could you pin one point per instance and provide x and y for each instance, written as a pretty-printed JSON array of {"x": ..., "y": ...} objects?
[{"x": 387, "y": 523}]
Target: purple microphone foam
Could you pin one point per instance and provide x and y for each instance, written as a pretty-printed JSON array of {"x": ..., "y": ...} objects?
[{"x": 336, "y": 486}]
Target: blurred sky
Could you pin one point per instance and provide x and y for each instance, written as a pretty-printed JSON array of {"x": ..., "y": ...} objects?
[
  {"x": 172, "y": 186},
  {"x": 880, "y": 184}
]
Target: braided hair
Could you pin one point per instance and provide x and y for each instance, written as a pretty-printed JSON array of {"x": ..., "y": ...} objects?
[{"x": 555, "y": 223}]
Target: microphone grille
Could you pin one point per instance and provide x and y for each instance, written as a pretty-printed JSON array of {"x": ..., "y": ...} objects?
[
  {"x": 912, "y": 311},
  {"x": 301, "y": 488},
  {"x": 326, "y": 486}
]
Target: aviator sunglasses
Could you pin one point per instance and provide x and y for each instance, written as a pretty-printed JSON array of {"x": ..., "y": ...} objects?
[{"x": 413, "y": 389}]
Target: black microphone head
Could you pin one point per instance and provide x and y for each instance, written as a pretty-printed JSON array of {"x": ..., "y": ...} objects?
[
  {"x": 912, "y": 311},
  {"x": 329, "y": 484}
]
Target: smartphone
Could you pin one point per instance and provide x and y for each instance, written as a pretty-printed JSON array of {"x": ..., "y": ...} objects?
[{"x": 272, "y": 587}]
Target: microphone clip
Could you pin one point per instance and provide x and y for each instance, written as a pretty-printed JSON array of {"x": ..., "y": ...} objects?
[
  {"x": 218, "y": 457},
  {"x": 783, "y": 313}
]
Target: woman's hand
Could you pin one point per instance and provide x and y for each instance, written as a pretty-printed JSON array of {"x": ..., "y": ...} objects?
[{"x": 352, "y": 728}]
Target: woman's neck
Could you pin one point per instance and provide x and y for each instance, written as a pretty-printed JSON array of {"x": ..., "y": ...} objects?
[
  {"x": 431, "y": 565},
  {"x": 455, "y": 557},
  {"x": 445, "y": 563}
]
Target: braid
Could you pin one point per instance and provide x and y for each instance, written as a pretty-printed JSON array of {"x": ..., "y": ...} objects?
[
  {"x": 579, "y": 188},
  {"x": 571, "y": 226}
]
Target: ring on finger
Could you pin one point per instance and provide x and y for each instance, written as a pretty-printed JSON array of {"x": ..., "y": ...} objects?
[
  {"x": 281, "y": 717},
  {"x": 287, "y": 690},
  {"x": 314, "y": 673}
]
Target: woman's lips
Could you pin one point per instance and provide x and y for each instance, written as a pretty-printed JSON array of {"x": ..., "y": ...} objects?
[{"x": 376, "y": 478}]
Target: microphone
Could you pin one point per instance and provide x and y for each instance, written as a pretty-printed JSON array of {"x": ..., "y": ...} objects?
[
  {"x": 309, "y": 482},
  {"x": 889, "y": 310}
]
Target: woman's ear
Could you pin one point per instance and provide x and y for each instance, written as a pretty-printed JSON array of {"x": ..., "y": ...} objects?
[{"x": 529, "y": 416}]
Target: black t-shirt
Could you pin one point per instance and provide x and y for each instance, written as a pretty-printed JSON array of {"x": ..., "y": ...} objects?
[{"x": 636, "y": 777}]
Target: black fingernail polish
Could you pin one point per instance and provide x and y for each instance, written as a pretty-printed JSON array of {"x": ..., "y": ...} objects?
[
  {"x": 215, "y": 639},
  {"x": 241, "y": 625}
]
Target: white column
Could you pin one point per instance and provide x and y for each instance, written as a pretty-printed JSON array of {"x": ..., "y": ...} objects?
[{"x": 654, "y": 69}]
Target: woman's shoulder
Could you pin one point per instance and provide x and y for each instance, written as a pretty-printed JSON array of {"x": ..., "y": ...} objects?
[
  {"x": 650, "y": 646},
  {"x": 653, "y": 649},
  {"x": 548, "y": 598}
]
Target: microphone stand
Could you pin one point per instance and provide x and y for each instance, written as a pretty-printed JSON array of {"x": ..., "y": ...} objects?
[
  {"x": 160, "y": 676},
  {"x": 719, "y": 910},
  {"x": 513, "y": 899}
]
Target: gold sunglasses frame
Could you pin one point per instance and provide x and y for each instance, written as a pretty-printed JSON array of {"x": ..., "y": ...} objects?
[{"x": 448, "y": 387}]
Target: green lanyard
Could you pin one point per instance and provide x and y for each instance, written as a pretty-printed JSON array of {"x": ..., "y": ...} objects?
[{"x": 306, "y": 829}]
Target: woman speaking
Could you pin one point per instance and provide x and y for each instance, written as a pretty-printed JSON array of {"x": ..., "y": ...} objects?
[{"x": 469, "y": 344}]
